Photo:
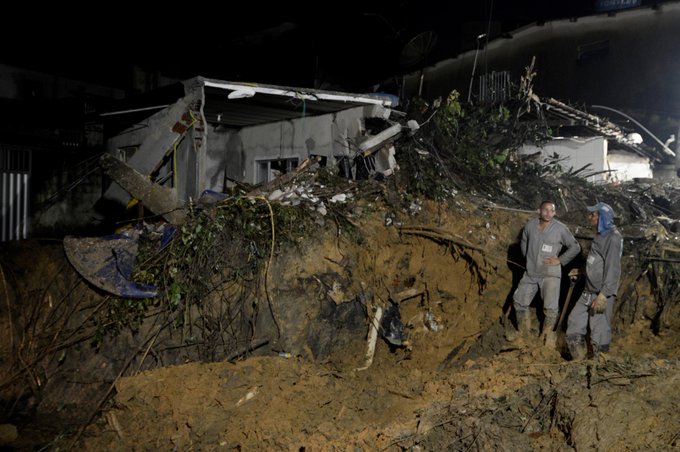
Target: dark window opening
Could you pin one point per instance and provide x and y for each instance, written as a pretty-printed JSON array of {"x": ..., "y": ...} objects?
[
  {"x": 592, "y": 51},
  {"x": 268, "y": 170}
]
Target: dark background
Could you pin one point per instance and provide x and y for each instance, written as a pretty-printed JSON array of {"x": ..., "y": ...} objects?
[{"x": 343, "y": 45}]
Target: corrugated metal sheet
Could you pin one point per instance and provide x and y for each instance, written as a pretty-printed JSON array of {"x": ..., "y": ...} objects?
[{"x": 15, "y": 169}]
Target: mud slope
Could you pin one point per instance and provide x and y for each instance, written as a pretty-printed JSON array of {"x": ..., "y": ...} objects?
[{"x": 455, "y": 384}]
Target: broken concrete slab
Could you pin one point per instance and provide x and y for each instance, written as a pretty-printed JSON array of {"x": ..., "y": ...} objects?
[{"x": 160, "y": 200}]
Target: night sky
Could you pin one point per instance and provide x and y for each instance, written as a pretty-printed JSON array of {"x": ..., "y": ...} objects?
[{"x": 349, "y": 45}]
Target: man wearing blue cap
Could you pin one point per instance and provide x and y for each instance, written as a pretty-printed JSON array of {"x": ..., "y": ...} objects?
[
  {"x": 543, "y": 239},
  {"x": 603, "y": 271}
]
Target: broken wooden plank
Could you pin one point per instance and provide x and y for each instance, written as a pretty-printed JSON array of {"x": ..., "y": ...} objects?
[
  {"x": 409, "y": 293},
  {"x": 160, "y": 200}
]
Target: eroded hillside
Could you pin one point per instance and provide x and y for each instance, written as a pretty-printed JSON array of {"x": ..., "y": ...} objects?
[{"x": 260, "y": 335}]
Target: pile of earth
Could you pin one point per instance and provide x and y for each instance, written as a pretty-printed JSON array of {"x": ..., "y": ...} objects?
[
  {"x": 454, "y": 383},
  {"x": 262, "y": 334}
]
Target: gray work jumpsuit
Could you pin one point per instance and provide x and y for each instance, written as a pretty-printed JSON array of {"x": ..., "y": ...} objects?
[
  {"x": 603, "y": 271},
  {"x": 536, "y": 246}
]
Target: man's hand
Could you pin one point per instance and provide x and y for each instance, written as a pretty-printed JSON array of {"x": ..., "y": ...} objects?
[
  {"x": 573, "y": 273},
  {"x": 599, "y": 303},
  {"x": 552, "y": 260}
]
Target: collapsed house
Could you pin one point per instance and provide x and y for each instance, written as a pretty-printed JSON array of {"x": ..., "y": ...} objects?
[
  {"x": 624, "y": 59},
  {"x": 217, "y": 134},
  {"x": 596, "y": 148}
]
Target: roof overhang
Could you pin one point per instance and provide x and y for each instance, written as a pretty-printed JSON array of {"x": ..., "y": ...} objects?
[{"x": 238, "y": 105}]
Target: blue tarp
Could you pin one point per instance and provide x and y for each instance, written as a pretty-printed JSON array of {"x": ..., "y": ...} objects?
[{"x": 107, "y": 263}]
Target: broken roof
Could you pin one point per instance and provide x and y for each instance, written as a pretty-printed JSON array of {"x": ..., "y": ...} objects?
[
  {"x": 247, "y": 104},
  {"x": 236, "y": 104},
  {"x": 599, "y": 126}
]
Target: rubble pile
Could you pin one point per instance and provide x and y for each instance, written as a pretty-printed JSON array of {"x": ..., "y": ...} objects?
[{"x": 318, "y": 267}]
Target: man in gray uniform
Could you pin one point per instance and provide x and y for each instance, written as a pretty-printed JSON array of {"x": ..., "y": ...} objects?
[
  {"x": 603, "y": 270},
  {"x": 542, "y": 240}
]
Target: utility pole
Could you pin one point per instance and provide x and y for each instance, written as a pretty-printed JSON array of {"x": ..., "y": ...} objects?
[{"x": 474, "y": 66}]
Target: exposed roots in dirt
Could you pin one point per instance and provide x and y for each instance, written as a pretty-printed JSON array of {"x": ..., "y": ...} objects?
[
  {"x": 291, "y": 279},
  {"x": 460, "y": 249}
]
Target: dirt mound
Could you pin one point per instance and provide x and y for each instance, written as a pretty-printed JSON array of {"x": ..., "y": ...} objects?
[
  {"x": 527, "y": 399},
  {"x": 261, "y": 334},
  {"x": 456, "y": 384}
]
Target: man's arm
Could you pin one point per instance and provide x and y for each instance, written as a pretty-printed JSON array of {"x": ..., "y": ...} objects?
[
  {"x": 524, "y": 242},
  {"x": 573, "y": 247},
  {"x": 612, "y": 264}
]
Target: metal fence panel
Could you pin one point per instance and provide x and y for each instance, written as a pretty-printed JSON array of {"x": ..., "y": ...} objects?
[
  {"x": 15, "y": 170},
  {"x": 494, "y": 87}
]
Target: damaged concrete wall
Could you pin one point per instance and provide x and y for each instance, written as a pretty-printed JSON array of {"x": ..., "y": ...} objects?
[
  {"x": 224, "y": 157},
  {"x": 64, "y": 188},
  {"x": 210, "y": 156},
  {"x": 186, "y": 163},
  {"x": 577, "y": 153},
  {"x": 627, "y": 166},
  {"x": 235, "y": 154},
  {"x": 155, "y": 138}
]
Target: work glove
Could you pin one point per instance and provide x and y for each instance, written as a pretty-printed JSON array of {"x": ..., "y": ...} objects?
[{"x": 599, "y": 304}]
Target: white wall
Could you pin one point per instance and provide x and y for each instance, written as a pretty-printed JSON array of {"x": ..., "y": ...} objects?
[
  {"x": 328, "y": 135},
  {"x": 629, "y": 166},
  {"x": 577, "y": 153}
]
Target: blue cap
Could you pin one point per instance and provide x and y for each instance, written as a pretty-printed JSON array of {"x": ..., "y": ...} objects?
[{"x": 601, "y": 207}]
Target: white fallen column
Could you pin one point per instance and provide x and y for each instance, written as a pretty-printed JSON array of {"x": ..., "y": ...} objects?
[{"x": 372, "y": 338}]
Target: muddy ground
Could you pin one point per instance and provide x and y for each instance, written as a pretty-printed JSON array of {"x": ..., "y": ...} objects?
[{"x": 456, "y": 384}]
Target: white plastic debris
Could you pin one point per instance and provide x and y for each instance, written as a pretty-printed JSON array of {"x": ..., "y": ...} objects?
[
  {"x": 252, "y": 393},
  {"x": 341, "y": 197},
  {"x": 413, "y": 125},
  {"x": 275, "y": 195},
  {"x": 430, "y": 322}
]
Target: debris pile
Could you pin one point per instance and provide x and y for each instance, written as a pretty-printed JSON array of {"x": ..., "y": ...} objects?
[{"x": 318, "y": 267}]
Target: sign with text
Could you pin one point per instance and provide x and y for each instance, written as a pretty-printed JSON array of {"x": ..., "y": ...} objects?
[{"x": 611, "y": 5}]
